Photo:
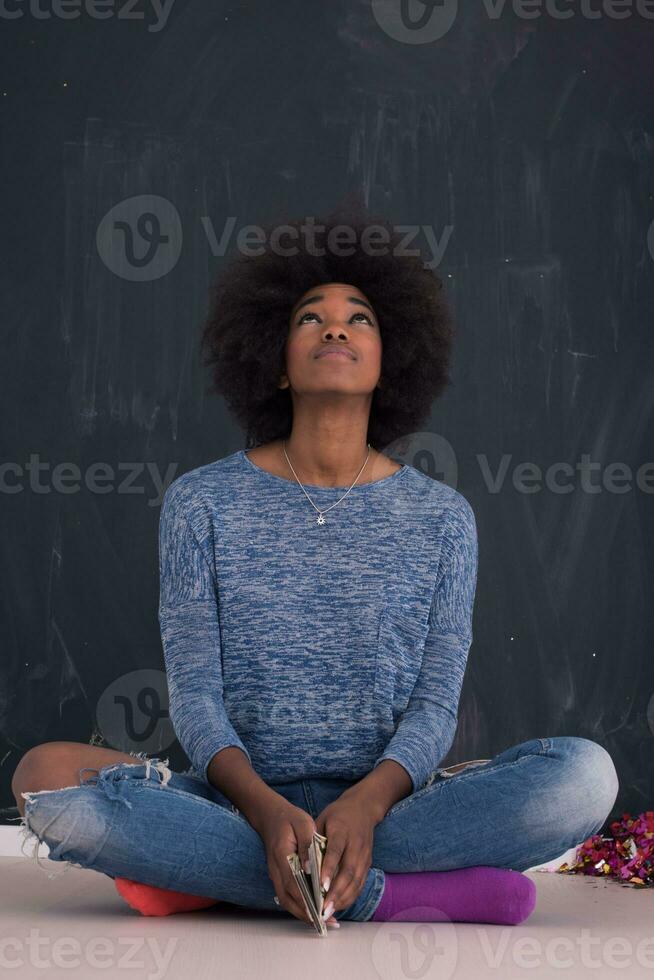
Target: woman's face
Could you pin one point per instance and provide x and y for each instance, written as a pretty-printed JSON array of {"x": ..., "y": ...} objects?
[{"x": 333, "y": 316}]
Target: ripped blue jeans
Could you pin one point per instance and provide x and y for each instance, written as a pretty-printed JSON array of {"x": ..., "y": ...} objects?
[{"x": 526, "y": 806}]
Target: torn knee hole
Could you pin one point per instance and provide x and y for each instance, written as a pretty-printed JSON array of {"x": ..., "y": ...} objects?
[
  {"x": 160, "y": 766},
  {"x": 102, "y": 778},
  {"x": 27, "y": 833}
]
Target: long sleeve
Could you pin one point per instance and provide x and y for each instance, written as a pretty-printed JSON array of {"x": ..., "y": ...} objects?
[
  {"x": 425, "y": 732},
  {"x": 190, "y": 632}
]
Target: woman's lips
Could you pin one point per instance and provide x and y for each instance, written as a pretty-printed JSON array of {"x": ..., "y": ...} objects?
[{"x": 335, "y": 353}]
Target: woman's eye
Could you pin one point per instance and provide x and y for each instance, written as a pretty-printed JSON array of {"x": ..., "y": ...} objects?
[{"x": 353, "y": 315}]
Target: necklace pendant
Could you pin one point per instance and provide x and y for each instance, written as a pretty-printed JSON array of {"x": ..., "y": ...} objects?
[{"x": 321, "y": 519}]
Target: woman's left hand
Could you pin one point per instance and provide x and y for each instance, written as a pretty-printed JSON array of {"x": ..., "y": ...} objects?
[{"x": 348, "y": 825}]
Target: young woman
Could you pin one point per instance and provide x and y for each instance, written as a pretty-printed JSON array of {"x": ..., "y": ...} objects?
[{"x": 316, "y": 617}]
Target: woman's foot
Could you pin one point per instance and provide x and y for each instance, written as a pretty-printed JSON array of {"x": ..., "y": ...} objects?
[
  {"x": 150, "y": 900},
  {"x": 478, "y": 894}
]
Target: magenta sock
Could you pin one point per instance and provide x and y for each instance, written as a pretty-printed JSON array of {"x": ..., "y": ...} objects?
[{"x": 479, "y": 894}]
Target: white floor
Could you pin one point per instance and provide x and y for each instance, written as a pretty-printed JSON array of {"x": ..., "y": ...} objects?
[{"x": 76, "y": 925}]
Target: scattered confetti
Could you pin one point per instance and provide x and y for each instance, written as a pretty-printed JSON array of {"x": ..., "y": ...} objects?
[{"x": 627, "y": 856}]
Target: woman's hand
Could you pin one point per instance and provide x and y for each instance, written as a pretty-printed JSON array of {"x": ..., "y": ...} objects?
[
  {"x": 348, "y": 824},
  {"x": 285, "y": 829}
]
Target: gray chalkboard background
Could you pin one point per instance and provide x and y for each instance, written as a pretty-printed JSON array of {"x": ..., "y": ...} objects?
[{"x": 522, "y": 145}]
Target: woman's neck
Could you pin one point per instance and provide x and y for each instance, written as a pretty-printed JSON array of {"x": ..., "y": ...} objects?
[{"x": 316, "y": 469}]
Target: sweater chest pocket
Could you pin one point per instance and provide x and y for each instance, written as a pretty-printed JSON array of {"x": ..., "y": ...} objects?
[{"x": 400, "y": 646}]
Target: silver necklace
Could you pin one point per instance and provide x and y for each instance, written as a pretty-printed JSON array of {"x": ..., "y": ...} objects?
[{"x": 321, "y": 513}]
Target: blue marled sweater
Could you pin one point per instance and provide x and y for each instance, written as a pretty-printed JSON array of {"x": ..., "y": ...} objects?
[{"x": 317, "y": 650}]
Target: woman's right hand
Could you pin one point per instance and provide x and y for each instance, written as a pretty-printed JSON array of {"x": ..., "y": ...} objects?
[{"x": 284, "y": 829}]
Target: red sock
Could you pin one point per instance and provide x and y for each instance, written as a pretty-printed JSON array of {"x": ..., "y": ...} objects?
[{"x": 150, "y": 900}]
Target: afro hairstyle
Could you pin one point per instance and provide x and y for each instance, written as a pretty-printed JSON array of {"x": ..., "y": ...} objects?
[{"x": 248, "y": 321}]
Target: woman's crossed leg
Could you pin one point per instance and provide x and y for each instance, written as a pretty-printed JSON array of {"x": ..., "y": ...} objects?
[{"x": 141, "y": 821}]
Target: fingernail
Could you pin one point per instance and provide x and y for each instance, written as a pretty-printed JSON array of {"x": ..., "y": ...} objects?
[
  {"x": 328, "y": 909},
  {"x": 335, "y": 923},
  {"x": 326, "y": 883},
  {"x": 307, "y": 867}
]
